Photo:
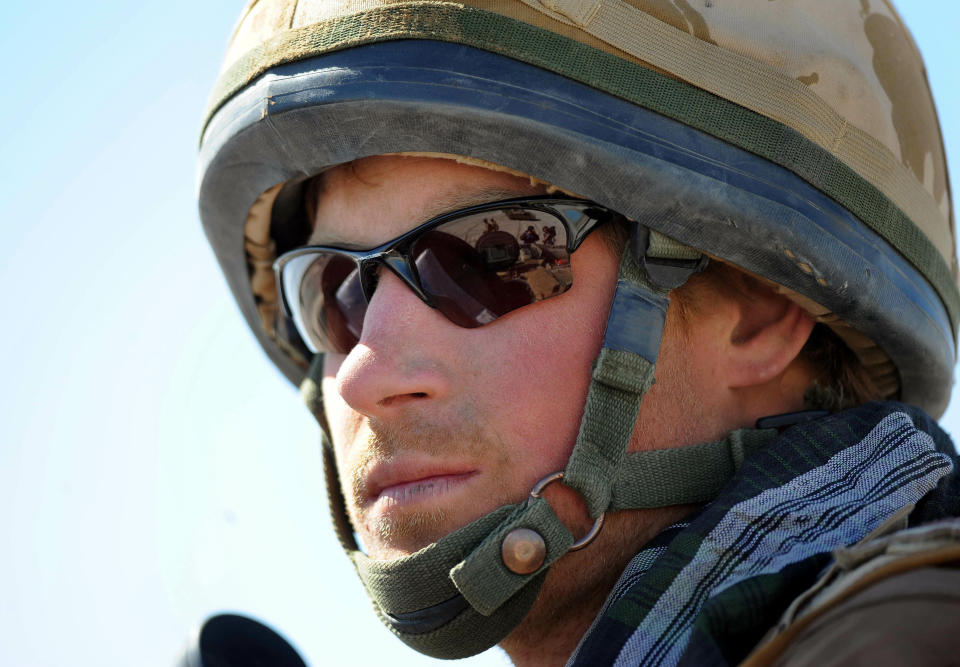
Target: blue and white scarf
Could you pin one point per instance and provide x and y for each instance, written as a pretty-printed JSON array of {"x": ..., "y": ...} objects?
[{"x": 705, "y": 592}]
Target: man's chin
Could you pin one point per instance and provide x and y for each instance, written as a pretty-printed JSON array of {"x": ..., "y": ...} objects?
[
  {"x": 399, "y": 535},
  {"x": 390, "y": 531}
]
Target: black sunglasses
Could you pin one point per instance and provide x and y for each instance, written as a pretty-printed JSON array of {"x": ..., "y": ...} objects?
[{"x": 473, "y": 265}]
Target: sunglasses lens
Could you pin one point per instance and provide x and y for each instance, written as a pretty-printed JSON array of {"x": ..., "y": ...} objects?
[
  {"x": 482, "y": 266},
  {"x": 474, "y": 269},
  {"x": 326, "y": 299}
]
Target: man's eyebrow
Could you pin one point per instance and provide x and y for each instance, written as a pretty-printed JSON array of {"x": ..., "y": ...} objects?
[
  {"x": 441, "y": 204},
  {"x": 456, "y": 200}
]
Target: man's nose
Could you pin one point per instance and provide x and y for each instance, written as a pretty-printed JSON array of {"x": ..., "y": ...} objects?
[{"x": 402, "y": 356}]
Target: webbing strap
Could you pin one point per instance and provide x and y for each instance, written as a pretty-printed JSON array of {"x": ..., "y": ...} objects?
[
  {"x": 756, "y": 86},
  {"x": 420, "y": 580},
  {"x": 608, "y": 420},
  {"x": 683, "y": 475},
  {"x": 662, "y": 246},
  {"x": 647, "y": 479},
  {"x": 485, "y": 581},
  {"x": 622, "y": 374},
  {"x": 480, "y": 577},
  {"x": 312, "y": 395}
]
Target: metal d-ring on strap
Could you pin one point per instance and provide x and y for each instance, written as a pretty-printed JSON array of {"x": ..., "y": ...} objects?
[{"x": 597, "y": 525}]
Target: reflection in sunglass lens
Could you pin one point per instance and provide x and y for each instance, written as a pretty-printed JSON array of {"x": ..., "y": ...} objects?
[
  {"x": 452, "y": 273},
  {"x": 351, "y": 303},
  {"x": 331, "y": 302},
  {"x": 483, "y": 266},
  {"x": 473, "y": 269}
]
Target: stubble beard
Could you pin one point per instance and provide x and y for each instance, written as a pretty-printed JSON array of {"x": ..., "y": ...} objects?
[{"x": 402, "y": 533}]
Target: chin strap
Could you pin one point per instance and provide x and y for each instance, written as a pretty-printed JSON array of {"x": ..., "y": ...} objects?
[
  {"x": 467, "y": 591},
  {"x": 312, "y": 395}
]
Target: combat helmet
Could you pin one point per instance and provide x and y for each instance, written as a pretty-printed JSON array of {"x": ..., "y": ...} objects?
[{"x": 796, "y": 141}]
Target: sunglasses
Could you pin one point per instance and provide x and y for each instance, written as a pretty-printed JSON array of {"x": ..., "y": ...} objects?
[{"x": 473, "y": 265}]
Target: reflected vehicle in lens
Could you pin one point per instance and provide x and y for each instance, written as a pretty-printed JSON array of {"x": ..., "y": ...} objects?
[{"x": 515, "y": 253}]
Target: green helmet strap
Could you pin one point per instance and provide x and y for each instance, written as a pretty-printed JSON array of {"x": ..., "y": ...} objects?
[
  {"x": 457, "y": 597},
  {"x": 683, "y": 475},
  {"x": 622, "y": 375}
]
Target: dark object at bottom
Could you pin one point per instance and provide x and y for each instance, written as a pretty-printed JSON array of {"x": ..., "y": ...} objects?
[{"x": 231, "y": 640}]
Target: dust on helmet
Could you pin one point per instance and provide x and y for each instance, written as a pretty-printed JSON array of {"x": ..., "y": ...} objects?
[{"x": 797, "y": 141}]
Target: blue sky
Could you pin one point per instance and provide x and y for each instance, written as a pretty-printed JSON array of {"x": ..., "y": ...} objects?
[{"x": 155, "y": 468}]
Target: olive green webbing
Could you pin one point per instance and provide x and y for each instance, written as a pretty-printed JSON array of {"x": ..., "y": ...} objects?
[
  {"x": 642, "y": 86},
  {"x": 683, "y": 475},
  {"x": 466, "y": 562},
  {"x": 662, "y": 246},
  {"x": 312, "y": 395},
  {"x": 426, "y": 578},
  {"x": 620, "y": 381},
  {"x": 422, "y": 588},
  {"x": 485, "y": 581},
  {"x": 471, "y": 633}
]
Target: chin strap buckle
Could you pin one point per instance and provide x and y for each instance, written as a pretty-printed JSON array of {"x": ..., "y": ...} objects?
[
  {"x": 523, "y": 550},
  {"x": 594, "y": 530}
]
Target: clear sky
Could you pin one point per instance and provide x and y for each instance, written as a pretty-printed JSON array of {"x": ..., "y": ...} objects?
[{"x": 154, "y": 468}]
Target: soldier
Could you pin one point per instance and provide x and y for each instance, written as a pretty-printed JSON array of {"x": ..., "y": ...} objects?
[{"x": 710, "y": 442}]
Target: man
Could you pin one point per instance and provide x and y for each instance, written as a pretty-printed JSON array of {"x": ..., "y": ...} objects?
[{"x": 647, "y": 452}]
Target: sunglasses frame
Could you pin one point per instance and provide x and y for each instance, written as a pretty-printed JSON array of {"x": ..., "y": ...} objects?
[{"x": 578, "y": 216}]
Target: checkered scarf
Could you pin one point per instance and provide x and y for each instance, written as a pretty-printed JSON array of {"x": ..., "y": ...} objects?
[{"x": 705, "y": 592}]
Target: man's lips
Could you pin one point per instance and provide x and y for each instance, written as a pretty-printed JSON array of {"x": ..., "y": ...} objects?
[
  {"x": 421, "y": 489},
  {"x": 400, "y": 484}
]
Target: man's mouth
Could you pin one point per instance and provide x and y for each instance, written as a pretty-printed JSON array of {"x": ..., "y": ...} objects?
[
  {"x": 404, "y": 510},
  {"x": 421, "y": 489},
  {"x": 407, "y": 483}
]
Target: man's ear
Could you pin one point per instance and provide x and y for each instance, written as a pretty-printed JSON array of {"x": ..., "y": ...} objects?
[{"x": 767, "y": 335}]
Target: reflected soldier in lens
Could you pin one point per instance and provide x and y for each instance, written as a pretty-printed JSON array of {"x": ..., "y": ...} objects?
[{"x": 549, "y": 235}]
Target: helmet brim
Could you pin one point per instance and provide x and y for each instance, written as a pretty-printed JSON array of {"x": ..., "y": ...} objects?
[{"x": 420, "y": 96}]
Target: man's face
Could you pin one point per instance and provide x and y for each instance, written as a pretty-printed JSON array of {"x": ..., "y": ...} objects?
[{"x": 435, "y": 425}]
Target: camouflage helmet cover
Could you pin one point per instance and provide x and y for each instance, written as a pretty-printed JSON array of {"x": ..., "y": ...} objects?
[{"x": 834, "y": 94}]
